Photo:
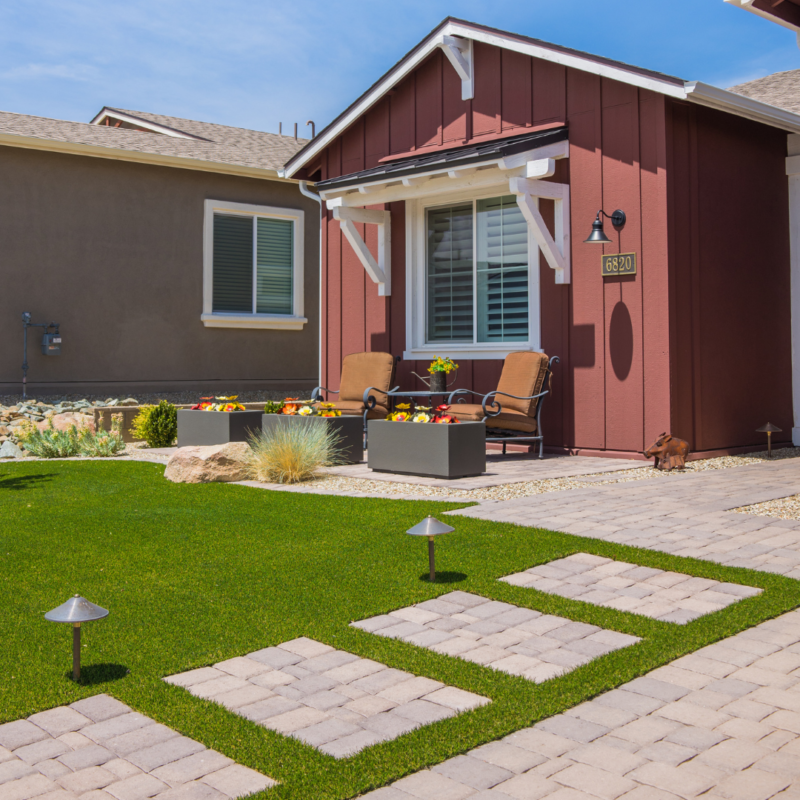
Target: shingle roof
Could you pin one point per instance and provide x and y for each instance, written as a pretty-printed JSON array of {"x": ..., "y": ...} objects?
[
  {"x": 782, "y": 89},
  {"x": 219, "y": 143}
]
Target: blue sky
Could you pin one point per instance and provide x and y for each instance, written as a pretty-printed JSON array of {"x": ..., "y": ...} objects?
[{"x": 253, "y": 64}]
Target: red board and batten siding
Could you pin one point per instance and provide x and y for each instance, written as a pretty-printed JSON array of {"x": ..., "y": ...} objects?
[{"x": 617, "y": 386}]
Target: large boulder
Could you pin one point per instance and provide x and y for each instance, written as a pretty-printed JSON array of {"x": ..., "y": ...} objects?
[
  {"x": 63, "y": 422},
  {"x": 10, "y": 450},
  {"x": 219, "y": 462}
]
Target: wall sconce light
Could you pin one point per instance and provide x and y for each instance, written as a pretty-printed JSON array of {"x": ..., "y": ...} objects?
[{"x": 598, "y": 235}]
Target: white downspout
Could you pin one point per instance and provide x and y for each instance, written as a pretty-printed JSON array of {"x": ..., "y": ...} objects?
[
  {"x": 793, "y": 172},
  {"x": 303, "y": 185}
]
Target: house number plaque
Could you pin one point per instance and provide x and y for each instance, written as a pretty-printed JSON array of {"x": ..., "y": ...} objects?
[{"x": 619, "y": 264}]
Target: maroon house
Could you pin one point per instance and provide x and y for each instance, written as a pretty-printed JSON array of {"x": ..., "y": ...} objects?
[{"x": 460, "y": 188}]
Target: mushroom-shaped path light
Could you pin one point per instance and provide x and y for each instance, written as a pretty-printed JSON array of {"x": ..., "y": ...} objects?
[
  {"x": 769, "y": 429},
  {"x": 430, "y": 527},
  {"x": 76, "y": 610}
]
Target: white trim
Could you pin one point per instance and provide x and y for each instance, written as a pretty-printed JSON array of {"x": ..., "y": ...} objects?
[
  {"x": 281, "y": 323},
  {"x": 416, "y": 295},
  {"x": 747, "y": 5},
  {"x": 459, "y": 54},
  {"x": 693, "y": 91},
  {"x": 379, "y": 270},
  {"x": 138, "y": 157},
  {"x": 107, "y": 112},
  {"x": 793, "y": 176},
  {"x": 212, "y": 319}
]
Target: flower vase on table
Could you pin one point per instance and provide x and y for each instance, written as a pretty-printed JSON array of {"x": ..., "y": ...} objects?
[{"x": 439, "y": 370}]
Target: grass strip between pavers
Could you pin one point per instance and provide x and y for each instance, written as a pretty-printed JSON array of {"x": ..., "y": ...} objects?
[{"x": 195, "y": 574}]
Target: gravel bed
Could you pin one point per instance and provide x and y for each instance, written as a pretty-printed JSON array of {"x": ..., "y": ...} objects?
[
  {"x": 178, "y": 398},
  {"x": 784, "y": 508}
]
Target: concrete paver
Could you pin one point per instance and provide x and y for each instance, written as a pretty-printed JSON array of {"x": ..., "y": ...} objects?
[
  {"x": 48, "y": 757},
  {"x": 328, "y": 698},
  {"x": 662, "y": 753},
  {"x": 501, "y": 636}
]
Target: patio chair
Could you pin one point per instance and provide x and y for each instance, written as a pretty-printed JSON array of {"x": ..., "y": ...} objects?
[
  {"x": 366, "y": 379},
  {"x": 517, "y": 418}
]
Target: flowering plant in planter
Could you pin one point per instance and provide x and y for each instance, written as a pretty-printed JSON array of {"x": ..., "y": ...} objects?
[
  {"x": 439, "y": 364},
  {"x": 421, "y": 414},
  {"x": 224, "y": 404},
  {"x": 271, "y": 407}
]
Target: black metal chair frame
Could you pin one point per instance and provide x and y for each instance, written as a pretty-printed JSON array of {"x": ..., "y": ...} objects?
[
  {"x": 369, "y": 401},
  {"x": 492, "y": 408}
]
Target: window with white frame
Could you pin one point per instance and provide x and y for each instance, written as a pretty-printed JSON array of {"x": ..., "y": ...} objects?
[
  {"x": 253, "y": 266},
  {"x": 476, "y": 282}
]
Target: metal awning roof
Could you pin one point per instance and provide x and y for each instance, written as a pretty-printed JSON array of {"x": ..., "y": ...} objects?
[{"x": 460, "y": 156}]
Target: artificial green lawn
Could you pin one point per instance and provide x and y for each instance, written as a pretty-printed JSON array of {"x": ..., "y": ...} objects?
[{"x": 194, "y": 574}]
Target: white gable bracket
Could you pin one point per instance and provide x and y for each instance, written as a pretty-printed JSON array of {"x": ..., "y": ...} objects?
[
  {"x": 556, "y": 249},
  {"x": 459, "y": 54},
  {"x": 379, "y": 270}
]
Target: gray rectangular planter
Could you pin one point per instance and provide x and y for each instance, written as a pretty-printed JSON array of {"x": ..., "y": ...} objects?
[
  {"x": 349, "y": 429},
  {"x": 426, "y": 449},
  {"x": 216, "y": 427}
]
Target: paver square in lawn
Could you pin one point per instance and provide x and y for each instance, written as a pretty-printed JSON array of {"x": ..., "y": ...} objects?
[
  {"x": 666, "y": 596},
  {"x": 327, "y": 698},
  {"x": 502, "y": 636},
  {"x": 51, "y": 755}
]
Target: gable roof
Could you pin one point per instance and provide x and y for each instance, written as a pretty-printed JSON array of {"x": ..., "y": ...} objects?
[
  {"x": 669, "y": 85},
  {"x": 191, "y": 145},
  {"x": 781, "y": 89}
]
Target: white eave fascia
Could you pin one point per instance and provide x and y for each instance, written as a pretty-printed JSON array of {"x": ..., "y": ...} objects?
[
  {"x": 705, "y": 95},
  {"x": 747, "y": 5},
  {"x": 156, "y": 159},
  {"x": 143, "y": 123},
  {"x": 433, "y": 41}
]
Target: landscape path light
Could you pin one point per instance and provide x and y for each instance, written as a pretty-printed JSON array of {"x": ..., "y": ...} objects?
[
  {"x": 430, "y": 527},
  {"x": 76, "y": 610},
  {"x": 769, "y": 429}
]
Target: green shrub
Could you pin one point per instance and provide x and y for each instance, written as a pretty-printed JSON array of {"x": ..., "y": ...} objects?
[
  {"x": 75, "y": 441},
  {"x": 157, "y": 425},
  {"x": 271, "y": 407},
  {"x": 293, "y": 453}
]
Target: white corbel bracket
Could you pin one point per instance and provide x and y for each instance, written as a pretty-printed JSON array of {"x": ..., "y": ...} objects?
[
  {"x": 556, "y": 249},
  {"x": 459, "y": 54},
  {"x": 379, "y": 270}
]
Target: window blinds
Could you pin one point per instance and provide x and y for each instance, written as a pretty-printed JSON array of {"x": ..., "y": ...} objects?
[
  {"x": 274, "y": 266},
  {"x": 502, "y": 271},
  {"x": 449, "y": 274},
  {"x": 233, "y": 264},
  {"x": 236, "y": 262}
]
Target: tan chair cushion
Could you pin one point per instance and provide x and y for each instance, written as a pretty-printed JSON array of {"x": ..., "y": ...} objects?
[
  {"x": 355, "y": 408},
  {"x": 509, "y": 420},
  {"x": 362, "y": 370},
  {"x": 523, "y": 375}
]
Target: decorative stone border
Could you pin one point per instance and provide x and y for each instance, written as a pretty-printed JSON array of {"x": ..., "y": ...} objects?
[
  {"x": 502, "y": 636},
  {"x": 99, "y": 748},
  {"x": 666, "y": 596},
  {"x": 327, "y": 698}
]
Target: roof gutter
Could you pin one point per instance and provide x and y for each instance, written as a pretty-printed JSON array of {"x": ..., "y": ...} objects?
[{"x": 155, "y": 159}]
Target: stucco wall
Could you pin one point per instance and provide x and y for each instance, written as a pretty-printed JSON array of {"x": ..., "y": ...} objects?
[{"x": 114, "y": 252}]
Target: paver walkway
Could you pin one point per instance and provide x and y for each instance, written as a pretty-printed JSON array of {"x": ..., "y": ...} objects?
[
  {"x": 327, "y": 698},
  {"x": 655, "y": 593},
  {"x": 687, "y": 515},
  {"x": 99, "y": 749},
  {"x": 723, "y": 722},
  {"x": 498, "y": 635}
]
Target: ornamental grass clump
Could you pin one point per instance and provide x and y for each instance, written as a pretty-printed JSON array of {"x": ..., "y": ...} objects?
[
  {"x": 157, "y": 425},
  {"x": 293, "y": 453}
]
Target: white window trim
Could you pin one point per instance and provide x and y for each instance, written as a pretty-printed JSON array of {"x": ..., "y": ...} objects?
[
  {"x": 211, "y": 319},
  {"x": 416, "y": 294}
]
